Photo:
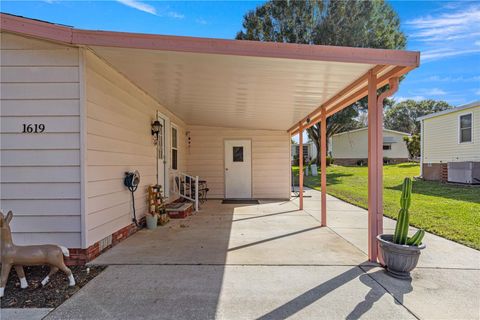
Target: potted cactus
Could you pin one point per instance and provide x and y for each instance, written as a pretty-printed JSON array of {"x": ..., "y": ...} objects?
[{"x": 400, "y": 253}]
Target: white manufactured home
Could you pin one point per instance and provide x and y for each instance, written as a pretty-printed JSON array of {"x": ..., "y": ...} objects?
[
  {"x": 80, "y": 108},
  {"x": 451, "y": 138},
  {"x": 350, "y": 147}
]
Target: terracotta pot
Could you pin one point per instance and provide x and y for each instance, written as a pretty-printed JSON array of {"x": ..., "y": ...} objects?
[{"x": 399, "y": 259}]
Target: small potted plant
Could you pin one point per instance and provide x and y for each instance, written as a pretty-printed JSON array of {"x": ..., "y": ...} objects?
[
  {"x": 400, "y": 253},
  {"x": 163, "y": 217}
]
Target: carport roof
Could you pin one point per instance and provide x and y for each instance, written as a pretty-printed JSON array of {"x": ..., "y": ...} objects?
[{"x": 232, "y": 83}]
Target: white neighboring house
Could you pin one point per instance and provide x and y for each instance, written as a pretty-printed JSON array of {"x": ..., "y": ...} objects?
[
  {"x": 309, "y": 151},
  {"x": 349, "y": 147},
  {"x": 450, "y": 136}
]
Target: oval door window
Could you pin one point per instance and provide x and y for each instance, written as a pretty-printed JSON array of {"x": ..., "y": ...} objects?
[{"x": 237, "y": 154}]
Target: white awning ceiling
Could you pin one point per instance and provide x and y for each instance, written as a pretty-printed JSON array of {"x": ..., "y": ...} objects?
[{"x": 233, "y": 91}]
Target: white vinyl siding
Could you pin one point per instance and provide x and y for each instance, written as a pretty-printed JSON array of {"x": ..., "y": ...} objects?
[
  {"x": 40, "y": 172},
  {"x": 354, "y": 145},
  {"x": 270, "y": 160},
  {"x": 119, "y": 117},
  {"x": 441, "y": 138}
]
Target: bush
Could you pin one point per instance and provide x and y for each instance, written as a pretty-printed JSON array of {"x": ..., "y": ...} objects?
[
  {"x": 295, "y": 161},
  {"x": 361, "y": 162},
  {"x": 330, "y": 161}
]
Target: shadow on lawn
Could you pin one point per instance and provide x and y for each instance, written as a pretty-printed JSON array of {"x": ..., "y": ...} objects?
[
  {"x": 314, "y": 181},
  {"x": 443, "y": 190}
]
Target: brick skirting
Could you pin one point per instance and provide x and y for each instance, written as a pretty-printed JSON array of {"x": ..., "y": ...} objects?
[
  {"x": 435, "y": 172},
  {"x": 444, "y": 172},
  {"x": 81, "y": 256}
]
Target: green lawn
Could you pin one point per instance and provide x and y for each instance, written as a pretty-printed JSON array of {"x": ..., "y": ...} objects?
[{"x": 449, "y": 211}]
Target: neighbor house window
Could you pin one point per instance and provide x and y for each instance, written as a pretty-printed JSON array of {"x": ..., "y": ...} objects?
[
  {"x": 465, "y": 128},
  {"x": 174, "y": 148},
  {"x": 387, "y": 147}
]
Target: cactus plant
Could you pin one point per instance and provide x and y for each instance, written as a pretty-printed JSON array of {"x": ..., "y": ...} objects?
[{"x": 401, "y": 229}]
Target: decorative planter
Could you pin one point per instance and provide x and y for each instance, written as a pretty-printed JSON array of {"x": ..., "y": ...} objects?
[
  {"x": 152, "y": 221},
  {"x": 399, "y": 259}
]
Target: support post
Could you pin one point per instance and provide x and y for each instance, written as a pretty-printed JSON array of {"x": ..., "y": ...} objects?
[
  {"x": 323, "y": 165},
  {"x": 375, "y": 168},
  {"x": 300, "y": 167},
  {"x": 196, "y": 194}
]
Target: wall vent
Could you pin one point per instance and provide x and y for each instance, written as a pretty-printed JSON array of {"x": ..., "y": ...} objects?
[{"x": 105, "y": 243}]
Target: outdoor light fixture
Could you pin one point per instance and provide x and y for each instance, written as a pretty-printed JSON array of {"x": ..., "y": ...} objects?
[{"x": 156, "y": 127}]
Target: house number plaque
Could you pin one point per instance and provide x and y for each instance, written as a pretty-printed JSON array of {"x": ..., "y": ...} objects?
[{"x": 33, "y": 128}]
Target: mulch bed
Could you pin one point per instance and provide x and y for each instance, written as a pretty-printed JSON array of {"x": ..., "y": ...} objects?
[{"x": 53, "y": 294}]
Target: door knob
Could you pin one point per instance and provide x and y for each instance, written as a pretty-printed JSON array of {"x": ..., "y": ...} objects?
[{"x": 226, "y": 169}]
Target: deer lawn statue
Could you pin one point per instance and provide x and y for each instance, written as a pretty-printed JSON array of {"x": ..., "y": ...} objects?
[{"x": 19, "y": 256}]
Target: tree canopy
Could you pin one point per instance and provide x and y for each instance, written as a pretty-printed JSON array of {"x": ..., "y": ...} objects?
[
  {"x": 354, "y": 23},
  {"x": 403, "y": 116}
]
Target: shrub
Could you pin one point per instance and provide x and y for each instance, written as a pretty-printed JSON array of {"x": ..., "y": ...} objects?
[
  {"x": 361, "y": 162},
  {"x": 330, "y": 161}
]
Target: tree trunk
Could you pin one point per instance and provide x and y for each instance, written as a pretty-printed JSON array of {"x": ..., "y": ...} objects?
[{"x": 314, "y": 135}]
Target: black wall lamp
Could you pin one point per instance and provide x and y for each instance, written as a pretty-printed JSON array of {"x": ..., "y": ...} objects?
[{"x": 156, "y": 127}]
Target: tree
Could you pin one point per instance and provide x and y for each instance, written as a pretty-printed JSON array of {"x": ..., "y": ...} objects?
[
  {"x": 355, "y": 23},
  {"x": 403, "y": 115},
  {"x": 413, "y": 145}
]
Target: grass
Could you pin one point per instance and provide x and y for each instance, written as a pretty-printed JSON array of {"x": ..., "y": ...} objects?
[{"x": 450, "y": 211}]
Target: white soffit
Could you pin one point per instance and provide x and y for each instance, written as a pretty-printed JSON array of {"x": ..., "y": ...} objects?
[{"x": 233, "y": 91}]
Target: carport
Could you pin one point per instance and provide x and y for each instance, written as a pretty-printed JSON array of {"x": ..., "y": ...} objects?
[
  {"x": 238, "y": 85},
  {"x": 272, "y": 86}
]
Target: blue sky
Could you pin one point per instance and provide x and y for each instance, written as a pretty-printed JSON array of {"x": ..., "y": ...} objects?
[{"x": 446, "y": 33}]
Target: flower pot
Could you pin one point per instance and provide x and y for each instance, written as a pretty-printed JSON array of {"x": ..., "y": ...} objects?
[
  {"x": 151, "y": 221},
  {"x": 399, "y": 259}
]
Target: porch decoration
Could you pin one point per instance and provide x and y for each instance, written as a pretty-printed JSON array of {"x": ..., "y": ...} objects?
[
  {"x": 19, "y": 256},
  {"x": 400, "y": 253},
  {"x": 156, "y": 213}
]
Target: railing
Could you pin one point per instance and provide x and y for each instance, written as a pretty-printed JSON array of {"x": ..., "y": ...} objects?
[{"x": 186, "y": 186}]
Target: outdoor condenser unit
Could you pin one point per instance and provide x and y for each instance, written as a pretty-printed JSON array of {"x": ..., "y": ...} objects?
[{"x": 464, "y": 172}]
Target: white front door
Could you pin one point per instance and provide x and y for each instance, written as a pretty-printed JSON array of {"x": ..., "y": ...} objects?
[
  {"x": 238, "y": 169},
  {"x": 161, "y": 157}
]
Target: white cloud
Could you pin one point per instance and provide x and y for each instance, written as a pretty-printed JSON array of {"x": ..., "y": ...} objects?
[
  {"x": 447, "y": 25},
  {"x": 139, "y": 6},
  {"x": 201, "y": 21},
  {"x": 436, "y": 92},
  {"x": 451, "y": 79},
  {"x": 162, "y": 12},
  {"x": 436, "y": 54},
  {"x": 175, "y": 15},
  {"x": 447, "y": 33},
  {"x": 415, "y": 98}
]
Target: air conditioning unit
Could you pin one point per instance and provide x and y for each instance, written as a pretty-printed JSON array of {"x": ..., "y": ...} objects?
[{"x": 464, "y": 172}]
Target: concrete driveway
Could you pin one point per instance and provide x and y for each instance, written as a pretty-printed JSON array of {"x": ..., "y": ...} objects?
[{"x": 271, "y": 261}]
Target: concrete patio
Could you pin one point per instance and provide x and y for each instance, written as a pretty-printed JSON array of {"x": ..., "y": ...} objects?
[{"x": 271, "y": 261}]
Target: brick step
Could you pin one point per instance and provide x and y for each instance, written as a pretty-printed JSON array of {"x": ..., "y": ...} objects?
[{"x": 179, "y": 210}]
